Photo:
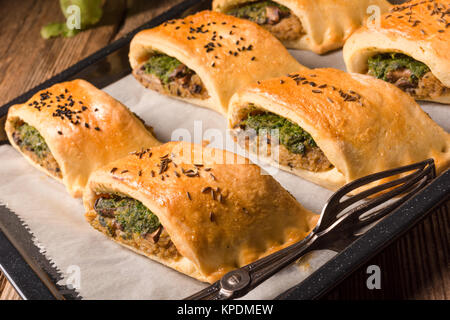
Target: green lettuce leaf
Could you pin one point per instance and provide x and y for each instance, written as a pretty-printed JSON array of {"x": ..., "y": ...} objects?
[{"x": 90, "y": 13}]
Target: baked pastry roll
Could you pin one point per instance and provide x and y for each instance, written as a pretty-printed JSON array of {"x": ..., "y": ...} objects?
[
  {"x": 409, "y": 48},
  {"x": 200, "y": 211},
  {"x": 73, "y": 128},
  {"x": 316, "y": 25},
  {"x": 334, "y": 127},
  {"x": 203, "y": 59}
]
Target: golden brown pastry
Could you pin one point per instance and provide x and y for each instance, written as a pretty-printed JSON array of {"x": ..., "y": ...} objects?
[
  {"x": 316, "y": 25},
  {"x": 73, "y": 128},
  {"x": 200, "y": 211},
  {"x": 409, "y": 48},
  {"x": 205, "y": 58},
  {"x": 335, "y": 127}
]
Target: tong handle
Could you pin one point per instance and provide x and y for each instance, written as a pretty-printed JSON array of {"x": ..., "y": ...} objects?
[
  {"x": 278, "y": 261},
  {"x": 239, "y": 282},
  {"x": 329, "y": 229},
  {"x": 209, "y": 293}
]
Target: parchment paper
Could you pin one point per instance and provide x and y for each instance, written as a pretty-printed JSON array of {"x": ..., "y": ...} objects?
[{"x": 100, "y": 268}]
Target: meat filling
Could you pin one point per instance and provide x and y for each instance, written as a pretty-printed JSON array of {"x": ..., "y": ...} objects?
[
  {"x": 31, "y": 143},
  {"x": 408, "y": 74},
  {"x": 297, "y": 149},
  {"x": 274, "y": 17},
  {"x": 430, "y": 87},
  {"x": 127, "y": 220},
  {"x": 169, "y": 76}
]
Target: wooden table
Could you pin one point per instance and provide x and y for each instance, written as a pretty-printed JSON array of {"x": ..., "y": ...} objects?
[{"x": 414, "y": 267}]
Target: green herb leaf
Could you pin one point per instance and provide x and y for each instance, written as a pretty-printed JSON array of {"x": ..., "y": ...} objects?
[
  {"x": 291, "y": 135},
  {"x": 382, "y": 64},
  {"x": 255, "y": 11},
  {"x": 30, "y": 138},
  {"x": 130, "y": 214},
  {"x": 162, "y": 66}
]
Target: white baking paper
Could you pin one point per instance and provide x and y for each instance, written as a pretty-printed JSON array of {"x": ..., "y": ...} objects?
[{"x": 102, "y": 269}]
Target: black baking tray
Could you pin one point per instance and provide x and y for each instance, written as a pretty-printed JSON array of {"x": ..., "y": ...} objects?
[{"x": 34, "y": 277}]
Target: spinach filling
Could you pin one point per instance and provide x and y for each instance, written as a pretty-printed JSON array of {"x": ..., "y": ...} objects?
[
  {"x": 131, "y": 215},
  {"x": 383, "y": 65},
  {"x": 291, "y": 135},
  {"x": 29, "y": 138},
  {"x": 166, "y": 68},
  {"x": 257, "y": 11}
]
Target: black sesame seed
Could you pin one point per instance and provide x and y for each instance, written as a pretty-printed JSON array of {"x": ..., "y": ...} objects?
[{"x": 206, "y": 189}]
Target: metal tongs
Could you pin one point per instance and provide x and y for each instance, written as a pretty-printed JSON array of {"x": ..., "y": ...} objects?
[{"x": 343, "y": 219}]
